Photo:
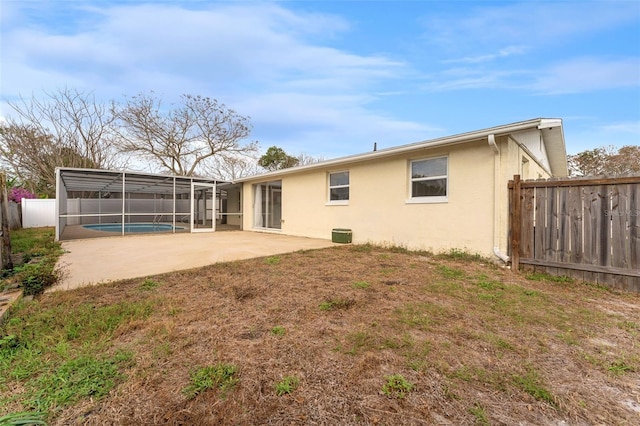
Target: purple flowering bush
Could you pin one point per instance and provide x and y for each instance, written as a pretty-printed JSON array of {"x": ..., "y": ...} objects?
[{"x": 17, "y": 194}]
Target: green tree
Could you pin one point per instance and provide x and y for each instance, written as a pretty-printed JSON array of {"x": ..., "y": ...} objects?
[
  {"x": 277, "y": 159},
  {"x": 606, "y": 160}
]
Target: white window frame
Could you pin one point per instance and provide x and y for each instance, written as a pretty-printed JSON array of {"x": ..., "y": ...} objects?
[
  {"x": 431, "y": 198},
  {"x": 262, "y": 218},
  {"x": 331, "y": 202}
]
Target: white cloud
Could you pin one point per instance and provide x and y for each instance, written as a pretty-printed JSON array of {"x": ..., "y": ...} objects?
[
  {"x": 283, "y": 67},
  {"x": 462, "y": 78},
  {"x": 259, "y": 58},
  {"x": 330, "y": 125},
  {"x": 532, "y": 47},
  {"x": 578, "y": 75},
  {"x": 588, "y": 74},
  {"x": 628, "y": 127},
  {"x": 532, "y": 23},
  {"x": 502, "y": 53},
  {"x": 246, "y": 45},
  {"x": 594, "y": 134}
]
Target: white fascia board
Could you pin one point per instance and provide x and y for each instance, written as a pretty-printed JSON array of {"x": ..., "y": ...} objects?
[{"x": 549, "y": 123}]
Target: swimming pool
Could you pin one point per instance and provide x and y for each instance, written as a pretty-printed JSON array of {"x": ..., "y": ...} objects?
[{"x": 133, "y": 227}]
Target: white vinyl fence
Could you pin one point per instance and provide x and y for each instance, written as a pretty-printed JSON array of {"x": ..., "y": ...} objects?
[{"x": 37, "y": 213}]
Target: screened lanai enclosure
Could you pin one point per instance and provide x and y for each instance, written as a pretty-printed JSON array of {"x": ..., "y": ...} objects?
[{"x": 101, "y": 203}]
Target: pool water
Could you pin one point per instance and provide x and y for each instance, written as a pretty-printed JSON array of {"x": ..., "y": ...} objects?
[{"x": 132, "y": 227}]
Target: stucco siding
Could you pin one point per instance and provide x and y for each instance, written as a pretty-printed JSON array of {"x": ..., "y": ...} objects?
[
  {"x": 378, "y": 211},
  {"x": 474, "y": 215}
]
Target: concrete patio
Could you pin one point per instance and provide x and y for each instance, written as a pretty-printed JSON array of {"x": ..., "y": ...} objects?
[{"x": 93, "y": 261}]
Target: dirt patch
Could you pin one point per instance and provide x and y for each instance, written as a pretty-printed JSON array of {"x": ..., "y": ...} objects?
[{"x": 479, "y": 344}]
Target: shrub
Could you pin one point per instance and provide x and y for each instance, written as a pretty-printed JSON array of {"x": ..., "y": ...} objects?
[
  {"x": 36, "y": 277},
  {"x": 17, "y": 194}
]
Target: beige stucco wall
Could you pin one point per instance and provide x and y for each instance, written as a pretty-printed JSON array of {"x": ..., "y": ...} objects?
[
  {"x": 378, "y": 212},
  {"x": 514, "y": 160}
]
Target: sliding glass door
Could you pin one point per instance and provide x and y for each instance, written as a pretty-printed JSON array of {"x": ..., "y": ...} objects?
[{"x": 267, "y": 205}]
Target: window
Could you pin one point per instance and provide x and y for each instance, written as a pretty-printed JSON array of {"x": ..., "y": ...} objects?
[
  {"x": 429, "y": 180},
  {"x": 339, "y": 188}
]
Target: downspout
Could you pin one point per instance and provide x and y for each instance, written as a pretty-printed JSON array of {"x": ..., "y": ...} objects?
[
  {"x": 492, "y": 144},
  {"x": 496, "y": 199}
]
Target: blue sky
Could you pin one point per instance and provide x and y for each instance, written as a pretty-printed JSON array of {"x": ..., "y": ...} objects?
[{"x": 331, "y": 78}]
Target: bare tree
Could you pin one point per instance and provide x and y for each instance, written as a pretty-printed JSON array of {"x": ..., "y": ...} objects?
[
  {"x": 606, "y": 160},
  {"x": 305, "y": 159},
  {"x": 185, "y": 139},
  {"x": 239, "y": 166},
  {"x": 232, "y": 167},
  {"x": 65, "y": 129}
]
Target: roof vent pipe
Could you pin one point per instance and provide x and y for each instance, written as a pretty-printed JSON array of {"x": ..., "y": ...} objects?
[
  {"x": 492, "y": 143},
  {"x": 375, "y": 146}
]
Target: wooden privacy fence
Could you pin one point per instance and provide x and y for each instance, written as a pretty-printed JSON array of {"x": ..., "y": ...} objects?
[{"x": 584, "y": 228}]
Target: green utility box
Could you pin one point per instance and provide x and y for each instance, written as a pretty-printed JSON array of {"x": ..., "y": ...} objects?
[{"x": 341, "y": 235}]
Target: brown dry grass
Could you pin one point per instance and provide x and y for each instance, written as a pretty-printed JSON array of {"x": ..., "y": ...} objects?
[{"x": 462, "y": 332}]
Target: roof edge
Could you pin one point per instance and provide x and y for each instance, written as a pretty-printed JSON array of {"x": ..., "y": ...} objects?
[
  {"x": 431, "y": 143},
  {"x": 139, "y": 173}
]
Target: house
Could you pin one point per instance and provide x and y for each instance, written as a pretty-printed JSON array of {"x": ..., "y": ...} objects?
[{"x": 434, "y": 195}]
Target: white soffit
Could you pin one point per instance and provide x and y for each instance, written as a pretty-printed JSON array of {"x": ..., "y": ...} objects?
[{"x": 553, "y": 136}]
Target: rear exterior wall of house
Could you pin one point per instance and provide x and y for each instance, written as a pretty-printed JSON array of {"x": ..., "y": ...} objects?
[{"x": 380, "y": 208}]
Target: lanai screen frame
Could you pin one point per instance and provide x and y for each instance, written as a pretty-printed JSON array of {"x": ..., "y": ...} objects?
[{"x": 76, "y": 180}]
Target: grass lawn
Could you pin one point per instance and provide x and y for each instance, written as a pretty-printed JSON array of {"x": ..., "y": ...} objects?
[{"x": 345, "y": 335}]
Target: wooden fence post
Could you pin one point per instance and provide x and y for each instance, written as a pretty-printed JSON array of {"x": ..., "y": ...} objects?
[
  {"x": 515, "y": 221},
  {"x": 5, "y": 250}
]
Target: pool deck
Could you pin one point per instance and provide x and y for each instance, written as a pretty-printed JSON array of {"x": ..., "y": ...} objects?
[
  {"x": 76, "y": 232},
  {"x": 96, "y": 260}
]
